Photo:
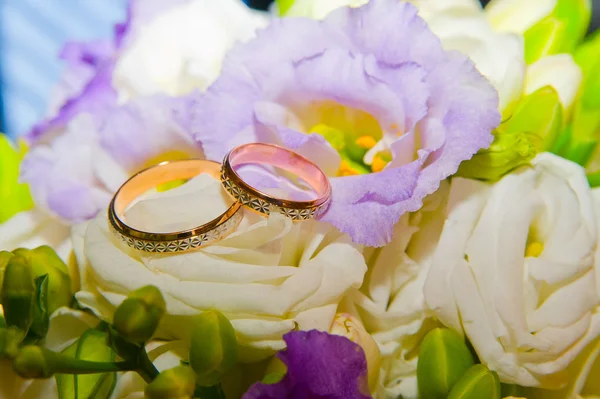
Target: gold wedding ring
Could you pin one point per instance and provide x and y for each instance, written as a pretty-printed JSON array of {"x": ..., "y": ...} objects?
[
  {"x": 289, "y": 161},
  {"x": 179, "y": 241}
]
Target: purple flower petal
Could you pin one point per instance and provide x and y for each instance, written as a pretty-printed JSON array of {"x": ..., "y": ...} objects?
[
  {"x": 434, "y": 108},
  {"x": 86, "y": 85},
  {"x": 320, "y": 366},
  {"x": 75, "y": 175}
]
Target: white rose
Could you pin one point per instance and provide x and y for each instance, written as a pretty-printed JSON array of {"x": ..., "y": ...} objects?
[
  {"x": 34, "y": 228},
  {"x": 559, "y": 71},
  {"x": 498, "y": 56},
  {"x": 66, "y": 326},
  {"x": 268, "y": 277},
  {"x": 391, "y": 304},
  {"x": 516, "y": 270},
  {"x": 182, "y": 48}
]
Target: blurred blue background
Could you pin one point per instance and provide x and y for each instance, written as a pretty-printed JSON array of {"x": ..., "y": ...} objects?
[{"x": 32, "y": 33}]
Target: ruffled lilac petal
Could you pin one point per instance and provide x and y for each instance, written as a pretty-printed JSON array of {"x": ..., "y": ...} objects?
[
  {"x": 320, "y": 366},
  {"x": 97, "y": 97},
  {"x": 75, "y": 175},
  {"x": 153, "y": 125},
  {"x": 390, "y": 30},
  {"x": 434, "y": 109},
  {"x": 368, "y": 206}
]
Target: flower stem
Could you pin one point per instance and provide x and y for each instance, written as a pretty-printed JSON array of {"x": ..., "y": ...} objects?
[
  {"x": 62, "y": 364},
  {"x": 145, "y": 367}
]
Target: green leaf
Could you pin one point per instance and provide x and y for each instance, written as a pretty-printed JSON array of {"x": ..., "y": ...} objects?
[
  {"x": 14, "y": 196},
  {"x": 92, "y": 346},
  {"x": 594, "y": 179},
  {"x": 559, "y": 32},
  {"x": 41, "y": 316},
  {"x": 544, "y": 38},
  {"x": 443, "y": 358},
  {"x": 284, "y": 6},
  {"x": 477, "y": 383}
]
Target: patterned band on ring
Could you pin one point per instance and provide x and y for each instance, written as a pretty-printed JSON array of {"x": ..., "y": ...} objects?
[
  {"x": 185, "y": 240},
  {"x": 269, "y": 154}
]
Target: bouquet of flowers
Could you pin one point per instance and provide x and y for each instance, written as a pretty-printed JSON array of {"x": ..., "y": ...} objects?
[{"x": 433, "y": 231}]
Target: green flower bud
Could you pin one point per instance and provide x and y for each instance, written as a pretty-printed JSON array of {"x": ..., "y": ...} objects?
[
  {"x": 443, "y": 358},
  {"x": 44, "y": 260},
  {"x": 213, "y": 348},
  {"x": 31, "y": 362},
  {"x": 18, "y": 293},
  {"x": 138, "y": 317},
  {"x": 477, "y": 383},
  {"x": 4, "y": 258},
  {"x": 175, "y": 383},
  {"x": 10, "y": 338},
  {"x": 539, "y": 113},
  {"x": 507, "y": 152},
  {"x": 14, "y": 196},
  {"x": 559, "y": 32}
]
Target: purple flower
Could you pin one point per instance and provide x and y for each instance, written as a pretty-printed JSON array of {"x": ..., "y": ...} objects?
[
  {"x": 75, "y": 175},
  {"x": 368, "y": 89},
  {"x": 319, "y": 365},
  {"x": 86, "y": 85}
]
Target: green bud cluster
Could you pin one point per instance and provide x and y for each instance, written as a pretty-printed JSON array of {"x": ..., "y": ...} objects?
[{"x": 447, "y": 369}]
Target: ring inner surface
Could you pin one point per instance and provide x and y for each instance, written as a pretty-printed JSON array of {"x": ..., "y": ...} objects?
[
  {"x": 264, "y": 154},
  {"x": 155, "y": 176}
]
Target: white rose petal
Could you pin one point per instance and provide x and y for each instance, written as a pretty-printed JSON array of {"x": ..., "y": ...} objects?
[
  {"x": 559, "y": 71},
  {"x": 267, "y": 277},
  {"x": 391, "y": 304},
  {"x": 527, "y": 314},
  {"x": 182, "y": 49},
  {"x": 31, "y": 229}
]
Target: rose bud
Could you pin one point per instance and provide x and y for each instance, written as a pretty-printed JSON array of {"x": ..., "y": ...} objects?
[
  {"x": 138, "y": 316},
  {"x": 176, "y": 383},
  {"x": 443, "y": 358},
  {"x": 213, "y": 348},
  {"x": 478, "y": 382}
]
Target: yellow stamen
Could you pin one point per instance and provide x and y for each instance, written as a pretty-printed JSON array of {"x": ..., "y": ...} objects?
[
  {"x": 366, "y": 142},
  {"x": 380, "y": 161},
  {"x": 346, "y": 169},
  {"x": 534, "y": 249}
]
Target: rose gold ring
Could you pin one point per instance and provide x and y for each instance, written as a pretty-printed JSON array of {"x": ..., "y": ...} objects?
[
  {"x": 289, "y": 161},
  {"x": 179, "y": 241}
]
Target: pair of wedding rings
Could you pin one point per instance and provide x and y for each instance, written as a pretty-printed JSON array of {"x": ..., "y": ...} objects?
[{"x": 245, "y": 196}]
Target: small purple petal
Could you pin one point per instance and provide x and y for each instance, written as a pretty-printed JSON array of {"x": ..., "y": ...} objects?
[{"x": 320, "y": 366}]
